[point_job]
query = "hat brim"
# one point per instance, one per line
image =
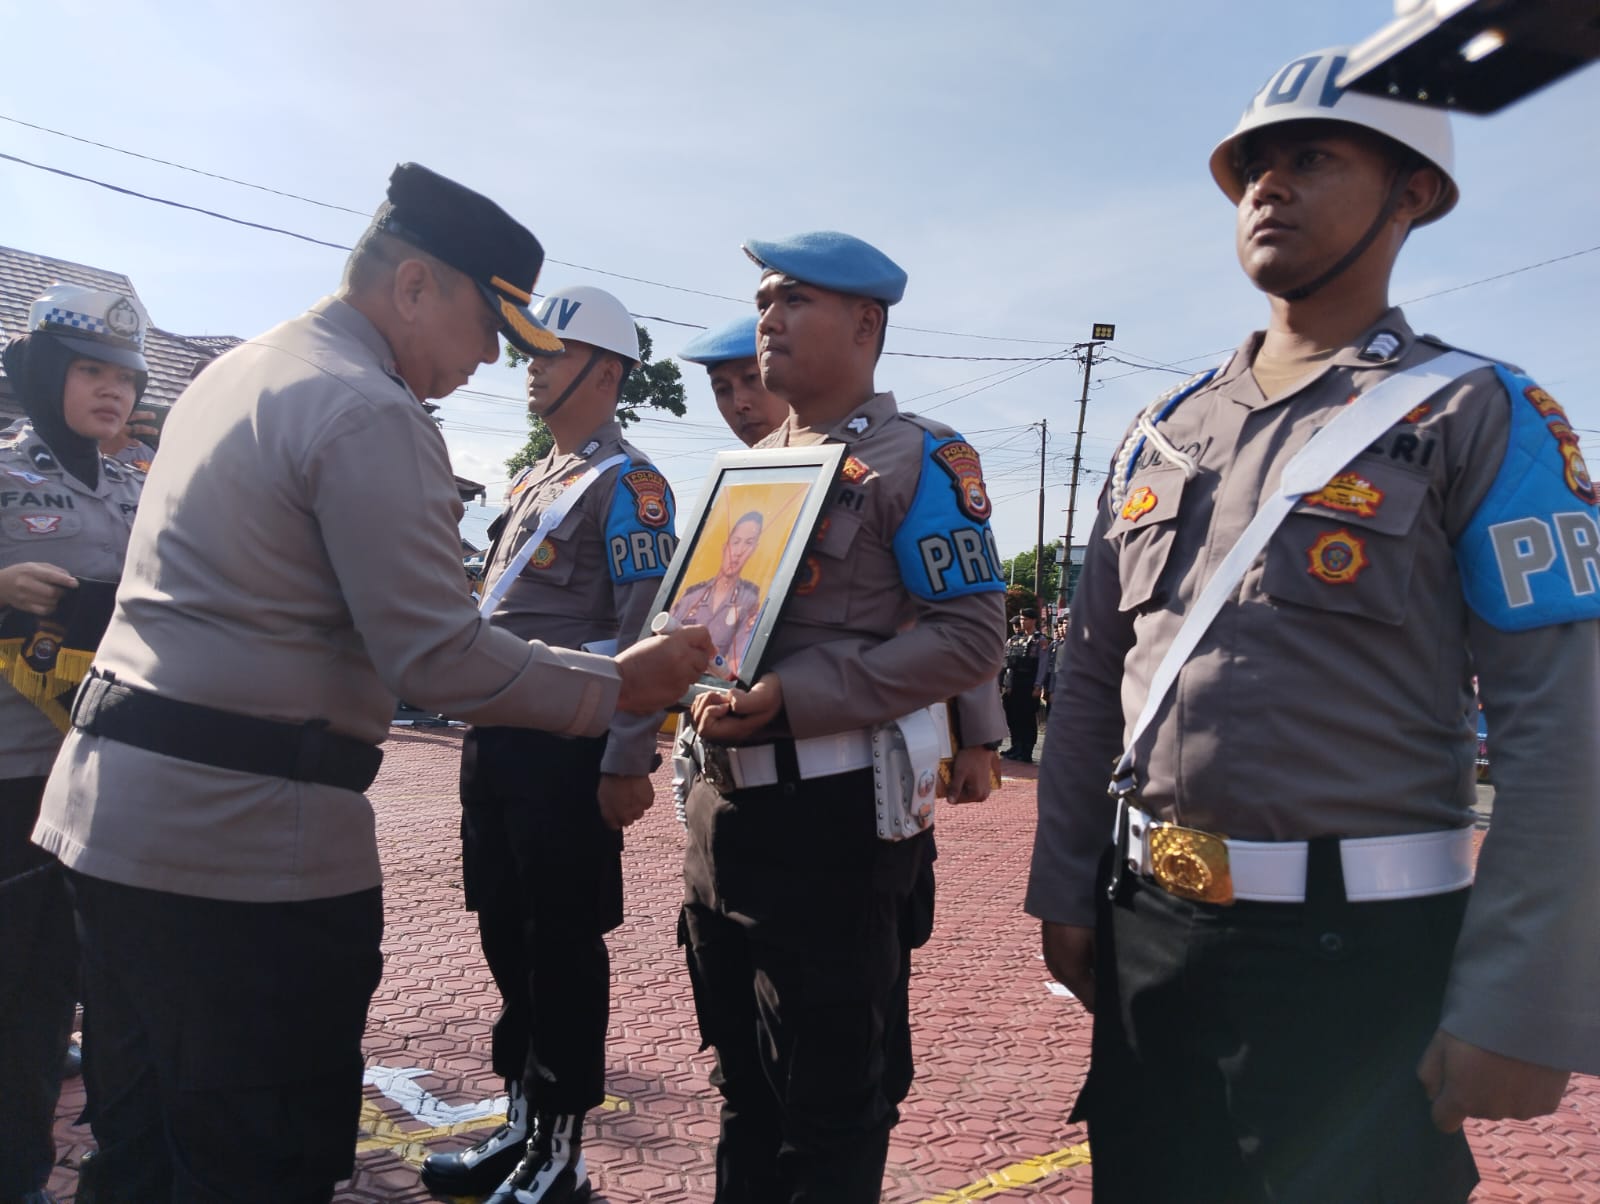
(123, 357)
(517, 323)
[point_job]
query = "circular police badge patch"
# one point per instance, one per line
(1337, 558)
(123, 318)
(543, 556)
(809, 575)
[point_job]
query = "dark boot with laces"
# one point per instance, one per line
(479, 1169)
(553, 1170)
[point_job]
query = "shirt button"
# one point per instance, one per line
(1331, 944)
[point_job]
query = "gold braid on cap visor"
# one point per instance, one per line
(536, 338)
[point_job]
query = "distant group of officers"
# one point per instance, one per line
(1299, 561)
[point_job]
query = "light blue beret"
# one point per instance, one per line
(832, 260)
(735, 341)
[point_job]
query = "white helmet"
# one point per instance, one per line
(1305, 90)
(593, 316)
(98, 323)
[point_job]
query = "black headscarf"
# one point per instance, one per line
(37, 364)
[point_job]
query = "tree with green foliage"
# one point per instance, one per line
(658, 385)
(1049, 579)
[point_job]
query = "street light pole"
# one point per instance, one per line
(1038, 546)
(1103, 332)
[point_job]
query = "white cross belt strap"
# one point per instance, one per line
(1353, 428)
(1375, 868)
(548, 522)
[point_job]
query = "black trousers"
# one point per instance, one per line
(1268, 1052)
(794, 926)
(544, 874)
(1022, 718)
(222, 1047)
(38, 990)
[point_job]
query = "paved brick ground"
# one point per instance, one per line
(1000, 1055)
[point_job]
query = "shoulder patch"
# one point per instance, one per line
(944, 546)
(853, 470)
(961, 462)
(1530, 557)
(649, 489)
(639, 526)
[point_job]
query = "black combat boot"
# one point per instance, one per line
(481, 1168)
(553, 1171)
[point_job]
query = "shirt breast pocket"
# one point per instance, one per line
(824, 583)
(553, 560)
(40, 526)
(1143, 533)
(1348, 547)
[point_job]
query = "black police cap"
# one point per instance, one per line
(475, 236)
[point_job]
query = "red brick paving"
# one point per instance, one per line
(1000, 1057)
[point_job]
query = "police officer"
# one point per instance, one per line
(295, 566)
(979, 724)
(65, 513)
(728, 354)
(1296, 996)
(794, 897)
(542, 814)
(1022, 684)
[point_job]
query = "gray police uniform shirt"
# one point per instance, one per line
(905, 539)
(729, 620)
(49, 516)
(296, 557)
(593, 577)
(1333, 693)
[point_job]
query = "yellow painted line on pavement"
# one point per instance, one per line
(380, 1132)
(1018, 1174)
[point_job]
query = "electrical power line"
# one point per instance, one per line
(294, 196)
(143, 196)
(1035, 362)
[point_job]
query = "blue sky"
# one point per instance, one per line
(1035, 167)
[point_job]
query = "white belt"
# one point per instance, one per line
(744, 767)
(1375, 867)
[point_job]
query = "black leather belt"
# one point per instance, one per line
(301, 752)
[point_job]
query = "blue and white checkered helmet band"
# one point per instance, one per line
(99, 316)
(99, 323)
(56, 316)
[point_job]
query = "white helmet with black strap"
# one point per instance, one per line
(1306, 89)
(585, 314)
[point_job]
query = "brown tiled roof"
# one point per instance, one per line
(172, 357)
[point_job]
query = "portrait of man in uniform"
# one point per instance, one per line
(728, 604)
(744, 550)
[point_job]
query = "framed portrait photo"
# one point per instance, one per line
(741, 549)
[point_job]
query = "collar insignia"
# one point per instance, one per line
(858, 425)
(589, 448)
(1381, 346)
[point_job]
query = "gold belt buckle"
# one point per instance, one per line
(1191, 864)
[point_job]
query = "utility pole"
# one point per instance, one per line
(1038, 547)
(1103, 333)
